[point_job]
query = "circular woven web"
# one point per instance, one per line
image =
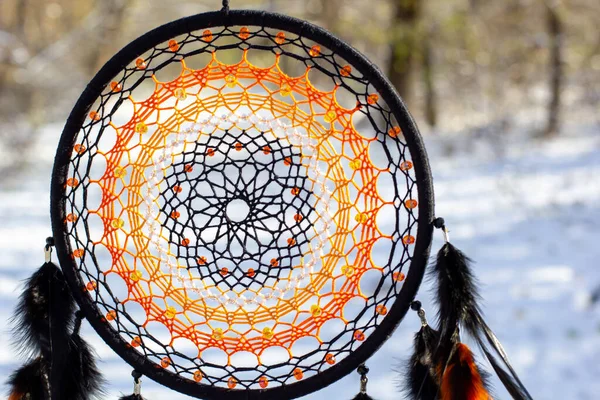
(239, 207)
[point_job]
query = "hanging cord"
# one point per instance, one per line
(48, 248)
(363, 370)
(49, 375)
(416, 306)
(439, 223)
(137, 382)
(225, 8)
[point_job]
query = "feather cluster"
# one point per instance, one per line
(443, 368)
(61, 364)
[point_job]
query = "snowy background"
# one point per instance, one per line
(526, 210)
(524, 206)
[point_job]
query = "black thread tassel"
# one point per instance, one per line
(42, 323)
(82, 380)
(44, 314)
(458, 297)
(132, 397)
(28, 382)
(422, 383)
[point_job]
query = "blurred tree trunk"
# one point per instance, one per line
(555, 33)
(404, 46)
(428, 71)
(113, 15)
(331, 9)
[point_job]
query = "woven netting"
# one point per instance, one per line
(241, 207)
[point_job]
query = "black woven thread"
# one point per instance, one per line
(369, 73)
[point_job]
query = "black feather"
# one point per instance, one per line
(44, 314)
(81, 380)
(132, 397)
(362, 396)
(28, 382)
(458, 297)
(422, 383)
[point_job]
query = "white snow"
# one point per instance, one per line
(529, 215)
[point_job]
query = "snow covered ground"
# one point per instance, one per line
(530, 218)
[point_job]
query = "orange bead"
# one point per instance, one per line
(315, 310)
(408, 239)
(330, 359)
(201, 260)
(78, 253)
(165, 362)
(291, 241)
(381, 309)
(136, 275)
(359, 335)
(177, 189)
(188, 168)
(217, 334)
(79, 148)
(117, 223)
(346, 71)
(395, 131)
(280, 38)
(298, 217)
(111, 315)
(185, 242)
(210, 152)
(175, 214)
(274, 262)
(315, 51)
(244, 33)
(140, 63)
(91, 285)
(398, 276)
(298, 374)
(295, 191)
(266, 150)
(239, 146)
(287, 161)
(230, 80)
(285, 90)
(115, 86)
(263, 381)
(348, 270)
(180, 94)
(198, 376)
(173, 45)
(141, 128)
(361, 218)
(136, 341)
(406, 165)
(224, 271)
(120, 172)
(251, 272)
(267, 333)
(170, 312)
(72, 182)
(94, 116)
(231, 382)
(330, 116)
(372, 99)
(410, 203)
(71, 217)
(207, 36)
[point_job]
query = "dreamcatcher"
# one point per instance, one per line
(242, 208)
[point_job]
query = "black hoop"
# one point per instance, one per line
(422, 241)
